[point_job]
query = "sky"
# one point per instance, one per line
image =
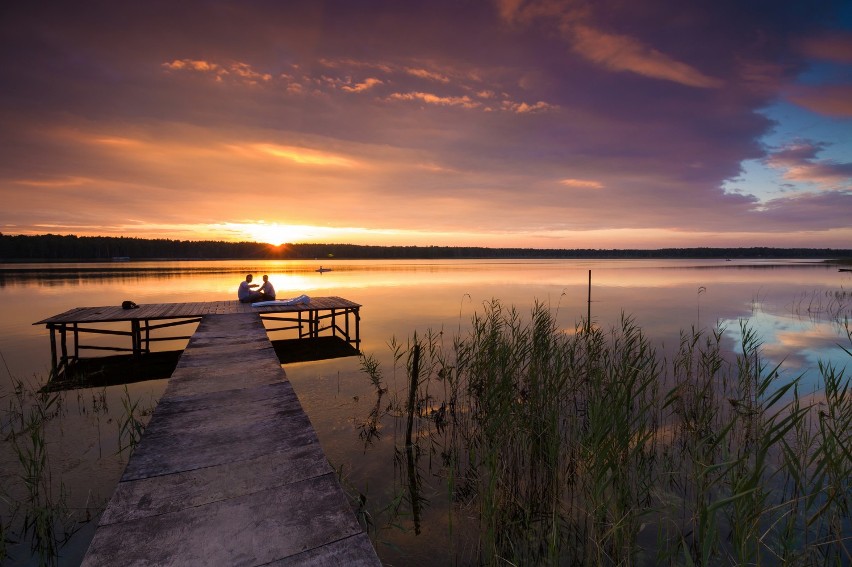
(506, 123)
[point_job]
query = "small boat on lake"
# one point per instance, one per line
(323, 270)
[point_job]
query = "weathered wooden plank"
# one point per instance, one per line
(170, 493)
(344, 552)
(187, 310)
(254, 529)
(205, 438)
(229, 470)
(201, 380)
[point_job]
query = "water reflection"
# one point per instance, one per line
(796, 308)
(797, 346)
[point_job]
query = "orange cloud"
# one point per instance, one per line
(466, 102)
(302, 156)
(426, 74)
(798, 162)
(242, 72)
(113, 141)
(582, 183)
(833, 100)
(60, 182)
(622, 53)
(524, 108)
(428, 98)
(364, 86)
(191, 64)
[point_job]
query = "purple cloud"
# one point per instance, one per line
(514, 117)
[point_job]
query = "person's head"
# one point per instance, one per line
(248, 278)
(265, 277)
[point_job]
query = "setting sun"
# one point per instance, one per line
(273, 233)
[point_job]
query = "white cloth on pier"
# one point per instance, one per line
(291, 301)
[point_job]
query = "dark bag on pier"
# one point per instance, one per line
(128, 305)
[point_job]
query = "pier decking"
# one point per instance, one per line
(229, 470)
(319, 315)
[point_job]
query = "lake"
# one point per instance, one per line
(797, 308)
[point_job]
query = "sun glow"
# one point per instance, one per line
(271, 233)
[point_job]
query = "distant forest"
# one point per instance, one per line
(52, 247)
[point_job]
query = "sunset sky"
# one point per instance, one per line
(543, 123)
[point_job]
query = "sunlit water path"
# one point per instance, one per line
(798, 309)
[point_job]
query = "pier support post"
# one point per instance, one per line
(136, 337)
(357, 329)
(63, 331)
(54, 366)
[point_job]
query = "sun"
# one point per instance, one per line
(274, 233)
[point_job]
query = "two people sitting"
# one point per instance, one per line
(246, 294)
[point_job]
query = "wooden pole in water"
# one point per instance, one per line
(589, 306)
(412, 391)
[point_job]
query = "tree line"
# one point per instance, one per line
(54, 247)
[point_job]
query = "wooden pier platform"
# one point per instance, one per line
(329, 315)
(229, 470)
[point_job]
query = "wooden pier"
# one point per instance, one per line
(229, 470)
(320, 315)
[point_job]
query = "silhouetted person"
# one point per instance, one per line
(245, 293)
(267, 292)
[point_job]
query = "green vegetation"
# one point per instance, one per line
(53, 247)
(588, 447)
(36, 507)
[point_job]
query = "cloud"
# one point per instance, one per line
(366, 85)
(582, 183)
(56, 182)
(193, 65)
(524, 108)
(453, 117)
(809, 211)
(798, 162)
(613, 51)
(622, 53)
(429, 98)
(238, 71)
(427, 74)
(245, 72)
(830, 100)
(348, 62)
(523, 11)
(836, 47)
(302, 156)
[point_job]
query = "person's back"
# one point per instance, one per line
(266, 290)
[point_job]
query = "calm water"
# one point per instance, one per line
(796, 307)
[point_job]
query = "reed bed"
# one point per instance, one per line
(38, 512)
(586, 446)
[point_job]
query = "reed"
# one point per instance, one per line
(35, 506)
(39, 511)
(131, 422)
(586, 446)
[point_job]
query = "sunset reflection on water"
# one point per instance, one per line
(400, 298)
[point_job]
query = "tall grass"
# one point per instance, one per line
(38, 511)
(587, 446)
(35, 508)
